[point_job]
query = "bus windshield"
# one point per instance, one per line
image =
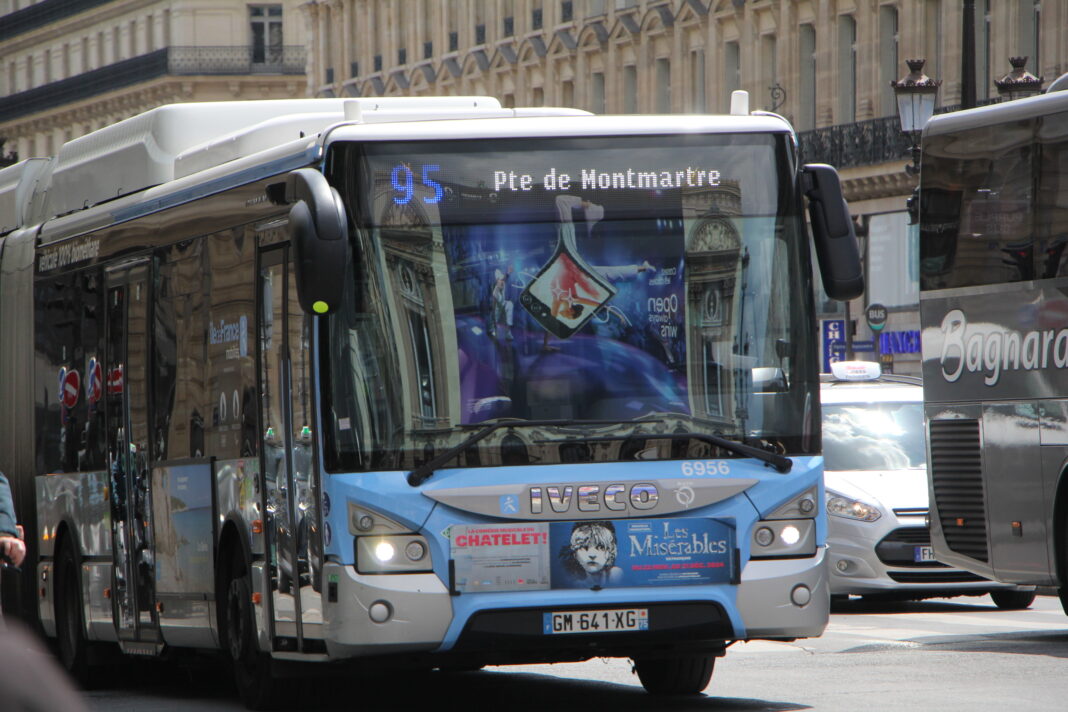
(618, 287)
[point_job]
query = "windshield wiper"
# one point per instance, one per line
(422, 473)
(780, 462)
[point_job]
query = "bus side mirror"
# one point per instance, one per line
(832, 233)
(318, 232)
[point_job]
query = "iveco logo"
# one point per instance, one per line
(593, 498)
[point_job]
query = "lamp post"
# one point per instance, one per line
(1019, 83)
(916, 94)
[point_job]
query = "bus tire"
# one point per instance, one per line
(252, 668)
(71, 643)
(1013, 600)
(684, 675)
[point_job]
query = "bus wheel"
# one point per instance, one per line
(1013, 600)
(685, 675)
(252, 669)
(70, 631)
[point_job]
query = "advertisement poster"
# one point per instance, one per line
(643, 552)
(500, 557)
(566, 305)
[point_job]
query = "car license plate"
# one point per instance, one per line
(923, 553)
(609, 621)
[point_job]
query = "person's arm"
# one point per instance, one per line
(11, 544)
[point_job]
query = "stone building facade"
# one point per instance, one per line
(68, 67)
(824, 64)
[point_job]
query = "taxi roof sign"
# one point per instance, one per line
(856, 370)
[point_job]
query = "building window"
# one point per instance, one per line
(806, 106)
(769, 67)
(567, 93)
(888, 59)
(983, 80)
(507, 11)
(697, 76)
(265, 28)
(630, 89)
(402, 56)
(847, 69)
(452, 25)
(536, 18)
(597, 92)
(893, 261)
(732, 70)
(428, 50)
(480, 34)
(932, 40)
(378, 63)
(424, 364)
(566, 11)
(1030, 16)
(663, 85)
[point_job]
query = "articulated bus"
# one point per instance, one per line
(425, 383)
(993, 213)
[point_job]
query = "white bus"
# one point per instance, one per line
(993, 209)
(418, 382)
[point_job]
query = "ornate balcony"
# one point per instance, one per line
(863, 143)
(171, 61)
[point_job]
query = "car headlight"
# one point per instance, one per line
(839, 505)
(405, 553)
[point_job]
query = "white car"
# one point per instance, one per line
(875, 476)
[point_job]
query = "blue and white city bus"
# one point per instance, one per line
(419, 382)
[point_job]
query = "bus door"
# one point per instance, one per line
(291, 487)
(126, 399)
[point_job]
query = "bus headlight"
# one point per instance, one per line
(783, 538)
(839, 505)
(405, 553)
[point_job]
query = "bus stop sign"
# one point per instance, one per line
(876, 314)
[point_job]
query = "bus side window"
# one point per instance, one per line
(180, 360)
(1051, 221)
(231, 345)
(991, 239)
(68, 333)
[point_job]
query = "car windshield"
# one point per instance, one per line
(873, 436)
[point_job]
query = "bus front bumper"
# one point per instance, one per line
(384, 613)
(782, 599)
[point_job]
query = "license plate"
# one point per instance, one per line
(609, 621)
(923, 553)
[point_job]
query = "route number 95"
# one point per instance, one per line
(705, 468)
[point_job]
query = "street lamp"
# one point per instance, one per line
(915, 105)
(1019, 83)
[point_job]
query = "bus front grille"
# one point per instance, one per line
(957, 480)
